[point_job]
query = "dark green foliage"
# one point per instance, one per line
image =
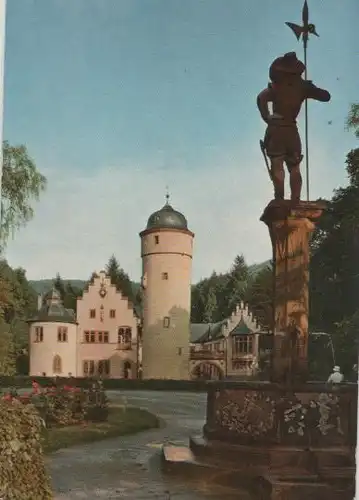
(334, 284)
(22, 467)
(353, 119)
(119, 278)
(17, 302)
(43, 286)
(216, 297)
(22, 183)
(259, 295)
(69, 293)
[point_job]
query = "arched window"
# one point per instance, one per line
(57, 364)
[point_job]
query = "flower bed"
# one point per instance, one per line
(63, 405)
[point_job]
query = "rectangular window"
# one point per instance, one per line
(100, 337)
(100, 367)
(92, 313)
(157, 240)
(243, 344)
(93, 337)
(112, 313)
(165, 276)
(62, 334)
(105, 337)
(91, 367)
(103, 367)
(166, 322)
(39, 334)
(180, 351)
(87, 336)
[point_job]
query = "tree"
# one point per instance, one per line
(237, 284)
(17, 303)
(210, 306)
(119, 278)
(71, 294)
(352, 121)
(259, 295)
(59, 285)
(22, 184)
(335, 247)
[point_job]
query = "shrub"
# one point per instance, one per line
(62, 405)
(22, 468)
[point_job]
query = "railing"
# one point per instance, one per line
(206, 354)
(124, 346)
(242, 356)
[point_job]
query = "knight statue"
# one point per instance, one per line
(287, 91)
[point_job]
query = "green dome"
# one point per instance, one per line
(167, 217)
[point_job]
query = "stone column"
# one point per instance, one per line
(290, 227)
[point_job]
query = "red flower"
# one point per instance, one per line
(35, 387)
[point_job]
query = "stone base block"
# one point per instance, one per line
(270, 487)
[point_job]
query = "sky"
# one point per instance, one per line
(117, 99)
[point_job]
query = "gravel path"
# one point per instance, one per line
(129, 466)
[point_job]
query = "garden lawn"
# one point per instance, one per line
(121, 421)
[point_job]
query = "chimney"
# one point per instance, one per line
(39, 302)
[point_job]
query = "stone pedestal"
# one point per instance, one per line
(290, 227)
(276, 441)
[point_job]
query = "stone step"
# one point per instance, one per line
(271, 487)
(182, 460)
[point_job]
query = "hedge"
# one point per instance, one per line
(110, 384)
(22, 469)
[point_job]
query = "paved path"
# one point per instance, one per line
(129, 467)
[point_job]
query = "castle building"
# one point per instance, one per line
(107, 332)
(166, 251)
(102, 340)
(227, 349)
(53, 338)
(108, 338)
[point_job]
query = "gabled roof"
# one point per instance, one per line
(206, 332)
(241, 328)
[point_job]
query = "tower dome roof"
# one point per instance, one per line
(167, 217)
(53, 310)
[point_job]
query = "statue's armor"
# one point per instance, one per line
(282, 143)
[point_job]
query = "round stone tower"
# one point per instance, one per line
(166, 251)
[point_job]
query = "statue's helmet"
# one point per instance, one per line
(288, 64)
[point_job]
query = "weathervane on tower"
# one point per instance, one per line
(167, 196)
